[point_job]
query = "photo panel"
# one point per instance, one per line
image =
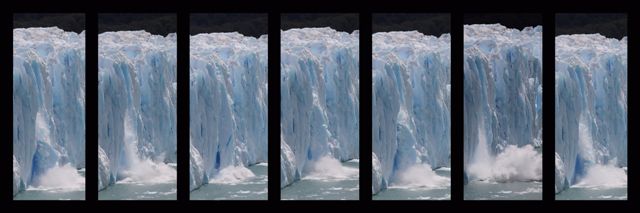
(411, 113)
(228, 106)
(418, 154)
(502, 107)
(591, 107)
(137, 101)
(49, 106)
(319, 122)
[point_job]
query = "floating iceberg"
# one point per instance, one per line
(502, 103)
(48, 106)
(319, 99)
(411, 116)
(228, 105)
(591, 109)
(137, 105)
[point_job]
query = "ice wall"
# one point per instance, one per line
(228, 103)
(136, 103)
(319, 98)
(48, 103)
(411, 103)
(591, 105)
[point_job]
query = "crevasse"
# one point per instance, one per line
(591, 105)
(48, 103)
(136, 104)
(319, 98)
(411, 103)
(228, 103)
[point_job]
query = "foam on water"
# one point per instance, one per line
(146, 171)
(420, 176)
(603, 176)
(60, 179)
(232, 175)
(328, 168)
(513, 164)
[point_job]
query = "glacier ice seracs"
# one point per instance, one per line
(411, 107)
(591, 109)
(502, 103)
(137, 107)
(48, 106)
(228, 104)
(319, 99)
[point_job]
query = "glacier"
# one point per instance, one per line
(411, 117)
(502, 103)
(228, 105)
(319, 99)
(591, 110)
(137, 105)
(48, 108)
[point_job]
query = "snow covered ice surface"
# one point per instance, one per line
(591, 117)
(319, 106)
(137, 119)
(48, 113)
(228, 109)
(502, 110)
(411, 112)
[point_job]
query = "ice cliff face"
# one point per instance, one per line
(411, 103)
(591, 105)
(48, 103)
(228, 103)
(502, 103)
(136, 101)
(319, 98)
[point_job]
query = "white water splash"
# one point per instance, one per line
(603, 177)
(60, 179)
(512, 164)
(420, 176)
(328, 168)
(232, 175)
(143, 170)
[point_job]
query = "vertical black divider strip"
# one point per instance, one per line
(183, 106)
(91, 106)
(632, 68)
(457, 77)
(548, 106)
(7, 64)
(273, 91)
(365, 51)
